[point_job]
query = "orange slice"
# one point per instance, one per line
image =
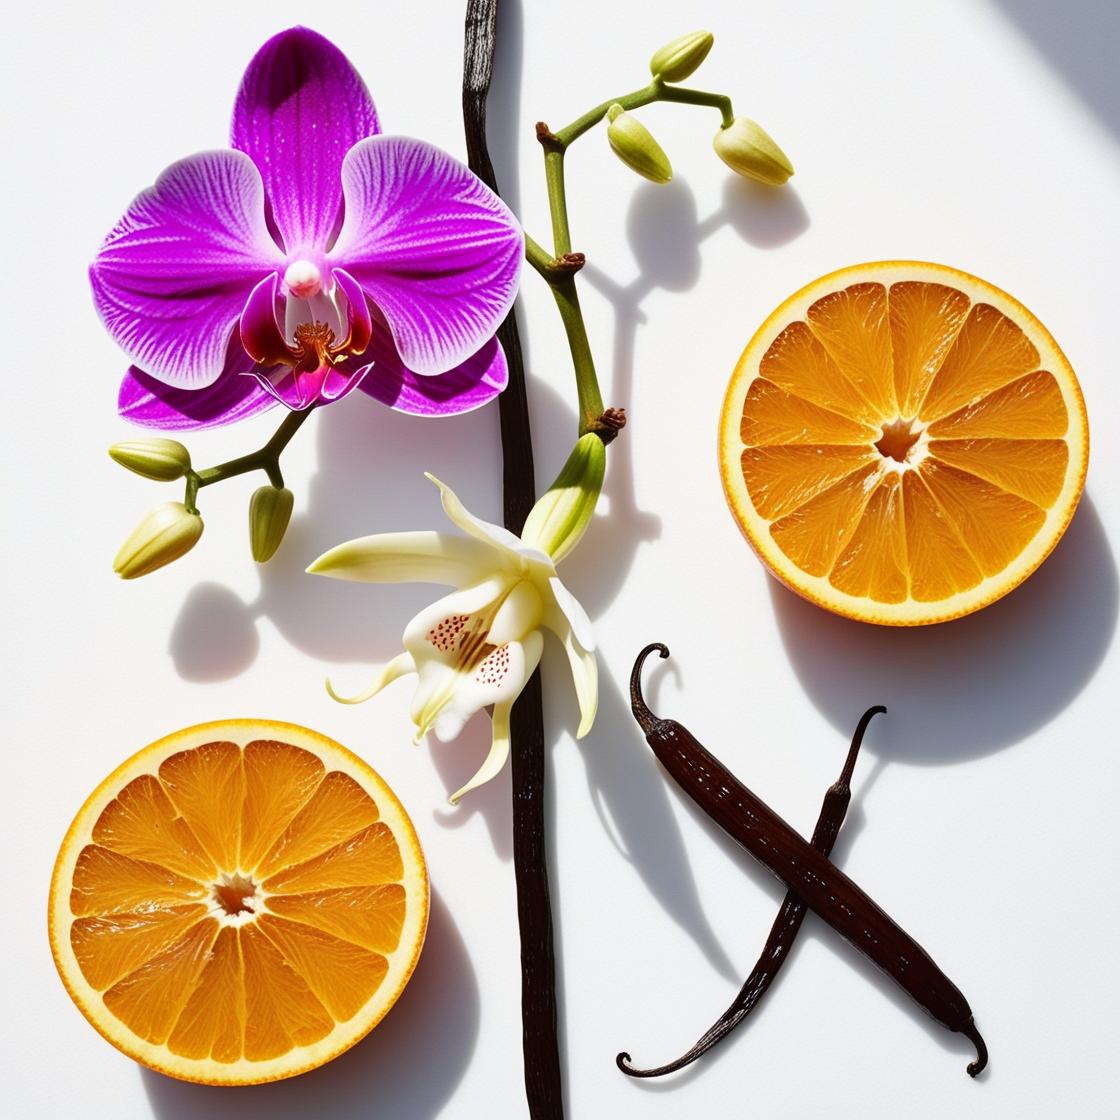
(239, 902)
(903, 443)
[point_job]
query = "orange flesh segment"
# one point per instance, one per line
(924, 321)
(995, 524)
(873, 564)
(279, 780)
(989, 352)
(142, 823)
(852, 325)
(207, 786)
(106, 882)
(146, 947)
(212, 1024)
(780, 479)
(368, 916)
(776, 416)
(343, 976)
(338, 809)
(813, 535)
(365, 859)
(111, 947)
(940, 563)
(798, 363)
(281, 1011)
(1029, 408)
(150, 999)
(1034, 469)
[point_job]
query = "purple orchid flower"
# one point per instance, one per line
(316, 256)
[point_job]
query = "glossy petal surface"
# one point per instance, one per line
(437, 251)
(300, 109)
(172, 277)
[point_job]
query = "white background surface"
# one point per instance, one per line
(982, 134)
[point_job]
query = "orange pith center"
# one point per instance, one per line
(902, 442)
(252, 962)
(898, 440)
(236, 894)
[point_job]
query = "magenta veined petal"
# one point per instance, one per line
(171, 278)
(359, 321)
(300, 108)
(436, 250)
(463, 388)
(151, 404)
(260, 327)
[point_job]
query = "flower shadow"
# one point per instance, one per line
(412, 1061)
(967, 688)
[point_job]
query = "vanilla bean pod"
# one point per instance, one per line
(783, 933)
(540, 1044)
(824, 887)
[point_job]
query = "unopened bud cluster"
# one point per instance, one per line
(744, 145)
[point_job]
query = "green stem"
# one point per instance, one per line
(587, 383)
(559, 269)
(266, 458)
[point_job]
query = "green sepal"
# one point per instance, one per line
(558, 520)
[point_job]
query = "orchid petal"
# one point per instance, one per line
(151, 404)
(359, 322)
(463, 388)
(496, 759)
(421, 557)
(436, 250)
(574, 614)
(259, 327)
(170, 280)
(507, 542)
(434, 634)
(399, 666)
(585, 677)
(519, 612)
(301, 389)
(300, 109)
(447, 696)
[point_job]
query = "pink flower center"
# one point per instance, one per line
(303, 280)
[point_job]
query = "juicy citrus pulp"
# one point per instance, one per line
(238, 902)
(903, 443)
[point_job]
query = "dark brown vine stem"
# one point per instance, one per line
(783, 933)
(540, 1046)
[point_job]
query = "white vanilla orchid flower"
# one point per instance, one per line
(479, 645)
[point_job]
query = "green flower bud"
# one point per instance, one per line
(749, 151)
(558, 520)
(676, 60)
(166, 533)
(270, 510)
(162, 459)
(633, 144)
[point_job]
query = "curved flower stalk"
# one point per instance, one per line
(316, 254)
(479, 645)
